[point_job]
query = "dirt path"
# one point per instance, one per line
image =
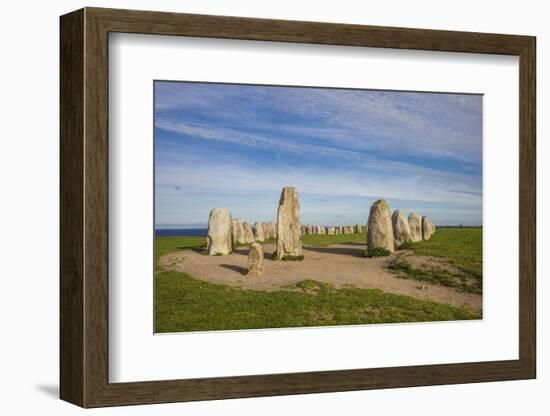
(339, 264)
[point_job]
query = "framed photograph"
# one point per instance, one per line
(254, 207)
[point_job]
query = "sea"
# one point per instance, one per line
(181, 232)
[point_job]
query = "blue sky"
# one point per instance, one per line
(236, 146)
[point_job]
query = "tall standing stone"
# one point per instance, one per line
(236, 228)
(259, 232)
(401, 229)
(380, 232)
(248, 234)
(265, 229)
(255, 262)
(289, 236)
(219, 240)
(415, 226)
(427, 228)
(272, 233)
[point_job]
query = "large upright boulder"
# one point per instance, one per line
(427, 228)
(266, 230)
(247, 233)
(255, 261)
(259, 232)
(219, 240)
(289, 235)
(401, 229)
(415, 226)
(380, 232)
(236, 228)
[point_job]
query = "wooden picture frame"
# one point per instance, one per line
(84, 207)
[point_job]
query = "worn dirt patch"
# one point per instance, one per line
(340, 264)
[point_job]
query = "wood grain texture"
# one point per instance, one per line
(71, 208)
(84, 207)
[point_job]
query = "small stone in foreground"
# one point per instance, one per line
(255, 262)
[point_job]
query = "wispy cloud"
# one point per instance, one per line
(217, 141)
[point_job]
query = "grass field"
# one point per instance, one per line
(460, 247)
(323, 240)
(184, 303)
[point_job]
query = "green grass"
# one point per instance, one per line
(270, 241)
(462, 247)
(183, 303)
(377, 252)
(187, 304)
(165, 245)
(324, 240)
(287, 258)
(443, 277)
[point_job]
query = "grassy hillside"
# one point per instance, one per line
(184, 303)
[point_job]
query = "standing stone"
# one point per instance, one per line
(248, 234)
(271, 230)
(309, 230)
(289, 238)
(255, 262)
(259, 232)
(265, 229)
(240, 232)
(235, 229)
(427, 228)
(330, 230)
(415, 226)
(303, 230)
(380, 232)
(219, 240)
(401, 229)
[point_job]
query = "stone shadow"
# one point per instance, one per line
(238, 269)
(344, 251)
